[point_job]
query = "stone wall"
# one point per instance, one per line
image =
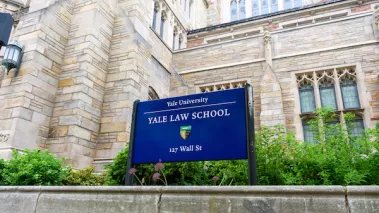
(268, 199)
(85, 63)
(270, 59)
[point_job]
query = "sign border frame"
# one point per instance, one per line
(250, 139)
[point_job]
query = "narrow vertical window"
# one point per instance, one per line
(242, 9)
(328, 94)
(190, 8)
(264, 7)
(287, 4)
(185, 5)
(233, 11)
(307, 99)
(255, 8)
(163, 20)
(180, 41)
(309, 132)
(298, 3)
(349, 94)
(174, 39)
(273, 6)
(156, 8)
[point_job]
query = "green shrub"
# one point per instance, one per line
(84, 177)
(337, 158)
(33, 168)
(2, 166)
(116, 170)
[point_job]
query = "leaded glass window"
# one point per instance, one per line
(307, 99)
(242, 9)
(264, 7)
(233, 11)
(274, 6)
(298, 3)
(287, 4)
(332, 128)
(349, 94)
(328, 94)
(309, 132)
(356, 127)
(255, 8)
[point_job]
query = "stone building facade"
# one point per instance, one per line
(86, 61)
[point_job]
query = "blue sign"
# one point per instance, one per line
(202, 127)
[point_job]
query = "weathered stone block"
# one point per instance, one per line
(79, 132)
(113, 127)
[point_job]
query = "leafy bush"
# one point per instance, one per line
(33, 168)
(116, 170)
(2, 166)
(84, 177)
(336, 159)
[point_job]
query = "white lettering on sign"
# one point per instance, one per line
(185, 116)
(189, 148)
(187, 101)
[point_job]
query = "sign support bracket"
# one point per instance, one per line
(129, 177)
(252, 159)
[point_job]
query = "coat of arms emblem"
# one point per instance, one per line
(185, 131)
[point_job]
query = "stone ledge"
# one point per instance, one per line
(177, 199)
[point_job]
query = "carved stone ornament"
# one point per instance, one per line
(3, 138)
(266, 35)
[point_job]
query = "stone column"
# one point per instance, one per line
(376, 22)
(26, 100)
(271, 93)
(79, 99)
(128, 78)
(214, 12)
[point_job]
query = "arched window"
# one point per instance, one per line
(349, 93)
(156, 9)
(327, 92)
(180, 41)
(233, 10)
(153, 95)
(242, 9)
(163, 21)
(174, 38)
(307, 98)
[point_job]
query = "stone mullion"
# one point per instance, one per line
(338, 90)
(316, 91)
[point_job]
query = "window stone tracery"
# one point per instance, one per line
(222, 86)
(336, 88)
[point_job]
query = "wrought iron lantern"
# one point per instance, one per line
(12, 57)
